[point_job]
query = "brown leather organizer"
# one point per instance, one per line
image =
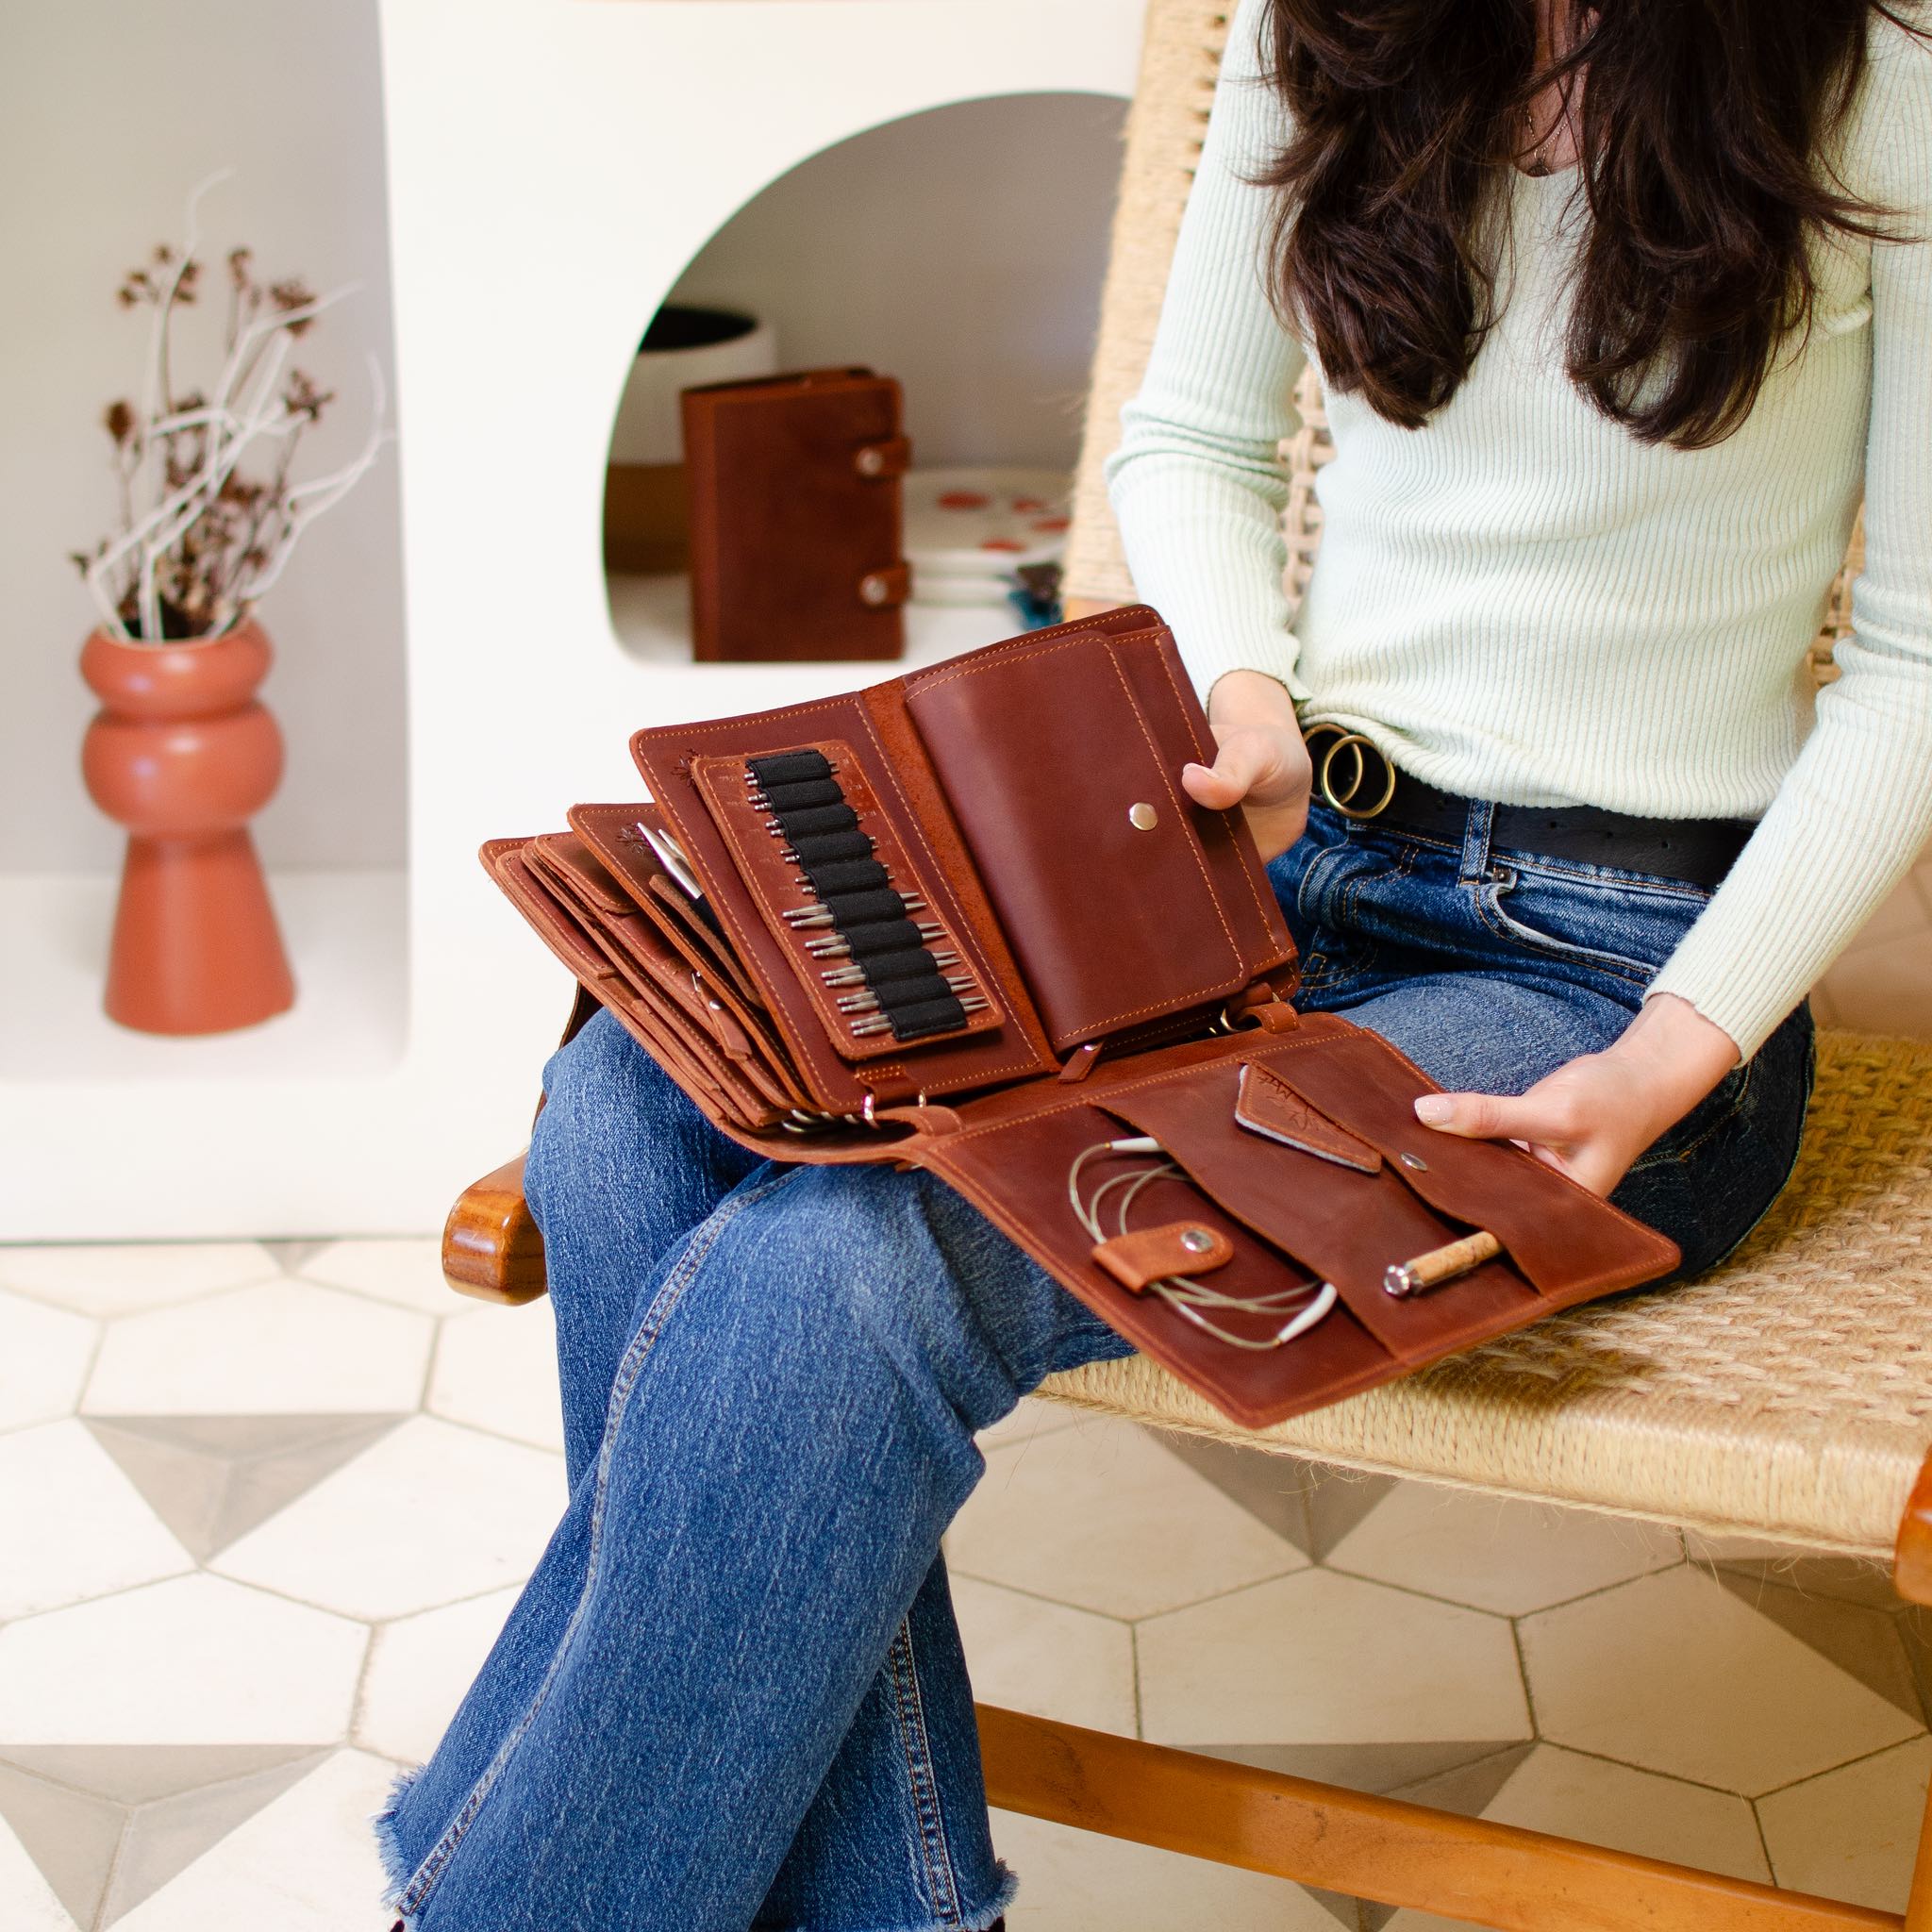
(793, 483)
(967, 921)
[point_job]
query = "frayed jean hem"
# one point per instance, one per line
(398, 1872)
(980, 1919)
(396, 1868)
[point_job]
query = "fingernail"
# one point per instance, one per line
(1193, 765)
(1432, 1109)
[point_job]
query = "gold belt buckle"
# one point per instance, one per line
(1357, 747)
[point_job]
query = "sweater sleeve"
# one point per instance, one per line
(1197, 482)
(1857, 806)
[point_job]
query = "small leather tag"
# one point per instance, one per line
(1267, 1106)
(892, 457)
(1079, 1063)
(1149, 1254)
(884, 588)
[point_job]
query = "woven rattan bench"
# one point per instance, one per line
(1786, 1396)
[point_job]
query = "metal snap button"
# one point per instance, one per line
(871, 461)
(1143, 818)
(872, 587)
(1197, 1240)
(1415, 1161)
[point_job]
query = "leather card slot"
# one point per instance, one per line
(676, 1031)
(691, 1059)
(815, 911)
(1347, 1226)
(1566, 1242)
(1015, 1172)
(1096, 867)
(615, 832)
(655, 969)
(900, 776)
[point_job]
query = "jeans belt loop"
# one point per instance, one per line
(1475, 839)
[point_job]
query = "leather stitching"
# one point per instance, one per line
(1228, 817)
(1214, 986)
(801, 1045)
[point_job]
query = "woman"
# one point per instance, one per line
(1603, 304)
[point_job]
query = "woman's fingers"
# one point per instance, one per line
(1222, 785)
(1498, 1117)
(1555, 1121)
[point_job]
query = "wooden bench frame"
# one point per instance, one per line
(1347, 1841)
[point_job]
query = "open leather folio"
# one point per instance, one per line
(967, 921)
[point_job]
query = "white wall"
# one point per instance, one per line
(110, 111)
(960, 250)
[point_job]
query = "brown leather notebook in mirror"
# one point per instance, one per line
(966, 920)
(794, 484)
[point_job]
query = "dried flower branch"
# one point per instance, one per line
(199, 538)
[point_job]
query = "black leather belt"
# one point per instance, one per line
(1356, 780)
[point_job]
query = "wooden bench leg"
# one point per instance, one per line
(1377, 1848)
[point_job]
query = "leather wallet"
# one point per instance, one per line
(793, 484)
(967, 921)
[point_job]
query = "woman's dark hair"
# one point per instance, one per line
(1704, 128)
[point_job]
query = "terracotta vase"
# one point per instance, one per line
(183, 754)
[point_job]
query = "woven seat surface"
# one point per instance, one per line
(1789, 1394)
(1785, 1394)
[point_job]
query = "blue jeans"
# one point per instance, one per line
(732, 1695)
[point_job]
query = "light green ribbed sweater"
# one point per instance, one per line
(1521, 601)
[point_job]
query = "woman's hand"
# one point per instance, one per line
(1261, 763)
(1592, 1117)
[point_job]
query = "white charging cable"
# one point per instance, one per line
(1183, 1293)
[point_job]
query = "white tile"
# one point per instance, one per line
(1102, 1517)
(71, 1525)
(25, 1898)
(496, 1369)
(431, 1513)
(1852, 1833)
(1033, 1416)
(193, 1660)
(1568, 1796)
(419, 1670)
(1320, 1659)
(123, 1277)
(1074, 1881)
(1046, 1660)
(43, 1358)
(1885, 987)
(304, 1863)
(282, 1348)
(409, 1273)
(1674, 1674)
(1497, 1555)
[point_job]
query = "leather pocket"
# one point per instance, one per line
(1343, 1224)
(1566, 1242)
(1112, 887)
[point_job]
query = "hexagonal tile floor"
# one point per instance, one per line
(266, 1506)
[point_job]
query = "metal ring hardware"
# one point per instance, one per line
(1353, 741)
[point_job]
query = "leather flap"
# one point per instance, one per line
(892, 457)
(881, 589)
(1153, 1254)
(1267, 1106)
